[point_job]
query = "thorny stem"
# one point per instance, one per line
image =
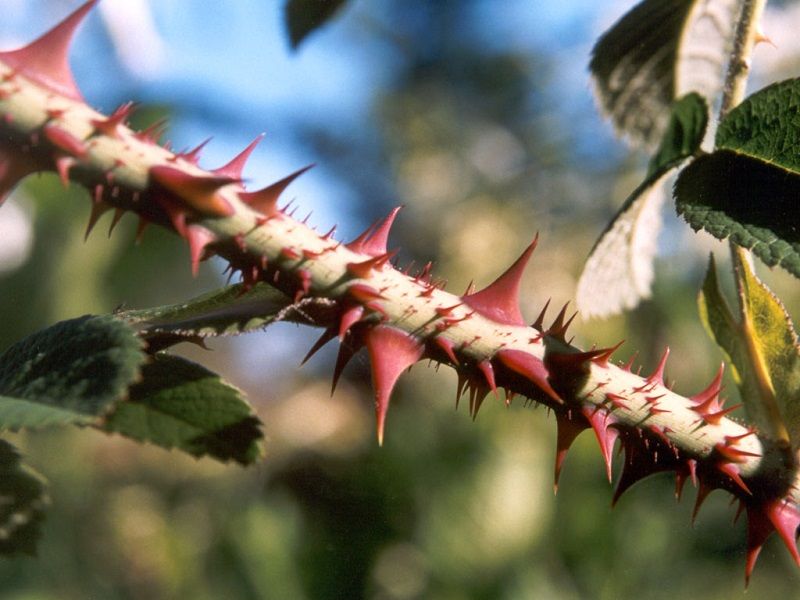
(42, 128)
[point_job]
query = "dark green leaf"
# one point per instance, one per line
(180, 404)
(684, 134)
(72, 372)
(304, 16)
(24, 498)
(754, 204)
(659, 51)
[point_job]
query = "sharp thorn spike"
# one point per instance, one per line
(500, 300)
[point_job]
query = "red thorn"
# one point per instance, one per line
(234, 168)
(153, 132)
(46, 59)
(304, 275)
(447, 347)
(198, 237)
(143, 223)
(198, 191)
(175, 213)
(732, 471)
(712, 391)
(531, 368)
(391, 351)
(605, 354)
(265, 200)
(732, 454)
(347, 349)
(110, 125)
(477, 393)
(639, 464)
(538, 324)
(98, 210)
(703, 491)
(485, 367)
(559, 327)
(348, 318)
(364, 268)
(762, 520)
(64, 140)
(193, 156)
(628, 365)
(603, 425)
(326, 337)
(658, 375)
(290, 253)
(115, 219)
(373, 241)
(691, 466)
(567, 429)
(364, 293)
(575, 360)
(63, 166)
(500, 300)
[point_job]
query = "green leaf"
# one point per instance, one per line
(24, 498)
(762, 347)
(659, 51)
(304, 16)
(747, 190)
(746, 200)
(619, 271)
(687, 126)
(72, 372)
(229, 311)
(180, 404)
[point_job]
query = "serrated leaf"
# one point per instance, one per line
(180, 404)
(763, 350)
(229, 311)
(305, 16)
(748, 201)
(23, 499)
(72, 372)
(619, 271)
(747, 190)
(659, 51)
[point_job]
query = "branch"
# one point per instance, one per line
(399, 318)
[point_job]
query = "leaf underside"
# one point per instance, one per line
(659, 51)
(229, 311)
(619, 271)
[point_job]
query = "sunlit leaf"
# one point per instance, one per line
(763, 350)
(180, 404)
(72, 372)
(659, 51)
(24, 499)
(619, 271)
(304, 16)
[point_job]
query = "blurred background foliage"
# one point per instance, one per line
(476, 116)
